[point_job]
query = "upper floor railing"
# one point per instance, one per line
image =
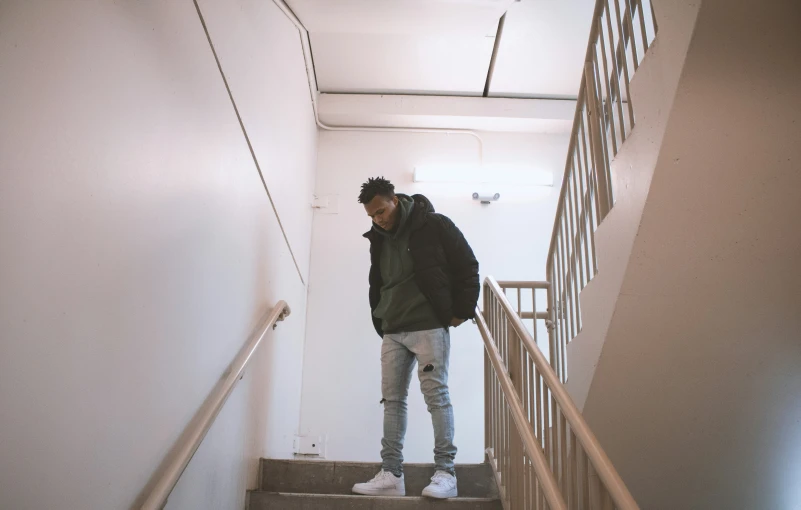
(621, 33)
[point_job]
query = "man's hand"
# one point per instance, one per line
(457, 322)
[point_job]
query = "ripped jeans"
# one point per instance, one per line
(431, 350)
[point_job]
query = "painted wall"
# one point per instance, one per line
(697, 395)
(139, 249)
(341, 384)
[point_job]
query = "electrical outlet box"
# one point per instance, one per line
(326, 204)
(310, 445)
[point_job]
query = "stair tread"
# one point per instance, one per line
(264, 500)
(334, 477)
(373, 465)
(362, 496)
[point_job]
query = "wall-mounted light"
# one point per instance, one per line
(510, 175)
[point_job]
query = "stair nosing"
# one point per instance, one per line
(362, 496)
(377, 463)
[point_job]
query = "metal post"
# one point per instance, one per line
(595, 121)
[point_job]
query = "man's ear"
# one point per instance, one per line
(395, 200)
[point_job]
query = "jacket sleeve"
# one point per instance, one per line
(464, 270)
(374, 280)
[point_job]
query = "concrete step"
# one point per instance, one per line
(323, 477)
(284, 501)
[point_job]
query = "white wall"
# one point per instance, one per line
(697, 394)
(341, 384)
(138, 248)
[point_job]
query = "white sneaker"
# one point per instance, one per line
(443, 486)
(384, 484)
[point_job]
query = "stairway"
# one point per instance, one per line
(313, 485)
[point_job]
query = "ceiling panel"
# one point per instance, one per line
(400, 16)
(542, 48)
(443, 47)
(449, 63)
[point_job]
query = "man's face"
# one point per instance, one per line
(383, 211)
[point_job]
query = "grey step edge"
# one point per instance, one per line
(330, 477)
(283, 501)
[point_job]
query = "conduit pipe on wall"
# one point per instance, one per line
(310, 74)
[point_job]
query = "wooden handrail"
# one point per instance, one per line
(606, 471)
(199, 427)
(509, 284)
(532, 445)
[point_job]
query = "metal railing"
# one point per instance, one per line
(190, 440)
(524, 296)
(536, 439)
(620, 35)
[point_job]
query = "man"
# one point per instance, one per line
(423, 280)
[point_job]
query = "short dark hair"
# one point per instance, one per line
(376, 186)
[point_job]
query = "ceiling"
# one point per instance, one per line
(444, 47)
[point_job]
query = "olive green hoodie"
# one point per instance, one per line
(402, 308)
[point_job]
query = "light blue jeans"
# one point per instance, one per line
(431, 350)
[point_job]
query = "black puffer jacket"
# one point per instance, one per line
(446, 270)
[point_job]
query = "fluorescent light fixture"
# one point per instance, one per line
(508, 175)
